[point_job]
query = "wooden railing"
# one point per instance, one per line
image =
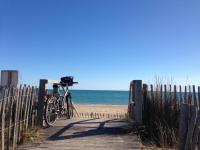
(17, 113)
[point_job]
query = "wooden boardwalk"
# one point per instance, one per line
(90, 134)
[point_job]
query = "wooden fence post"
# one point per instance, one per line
(138, 99)
(183, 126)
(41, 94)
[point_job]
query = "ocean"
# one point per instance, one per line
(101, 97)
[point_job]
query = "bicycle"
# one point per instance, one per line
(57, 104)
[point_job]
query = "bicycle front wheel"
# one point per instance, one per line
(51, 111)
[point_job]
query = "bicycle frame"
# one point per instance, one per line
(65, 97)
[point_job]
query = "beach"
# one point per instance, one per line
(101, 109)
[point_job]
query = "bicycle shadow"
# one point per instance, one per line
(100, 130)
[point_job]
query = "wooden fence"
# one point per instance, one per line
(99, 115)
(169, 112)
(17, 114)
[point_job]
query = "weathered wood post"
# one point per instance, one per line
(138, 100)
(41, 94)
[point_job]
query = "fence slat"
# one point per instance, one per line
(191, 127)
(4, 100)
(16, 118)
(165, 92)
(199, 95)
(175, 95)
(29, 107)
(180, 94)
(194, 97)
(190, 96)
(9, 113)
(161, 95)
(152, 93)
(27, 99)
(170, 94)
(33, 109)
(183, 125)
(196, 132)
(19, 114)
(185, 95)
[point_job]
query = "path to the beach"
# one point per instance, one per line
(86, 134)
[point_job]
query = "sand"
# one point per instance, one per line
(106, 109)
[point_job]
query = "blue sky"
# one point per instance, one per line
(104, 44)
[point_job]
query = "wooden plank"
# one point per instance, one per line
(138, 101)
(29, 107)
(152, 93)
(175, 96)
(161, 95)
(170, 94)
(185, 95)
(32, 109)
(11, 113)
(194, 97)
(21, 98)
(16, 118)
(191, 127)
(130, 94)
(5, 92)
(190, 96)
(41, 95)
(27, 100)
(180, 94)
(199, 95)
(21, 113)
(145, 91)
(129, 102)
(8, 118)
(165, 92)
(145, 103)
(156, 93)
(183, 126)
(3, 120)
(196, 133)
(132, 101)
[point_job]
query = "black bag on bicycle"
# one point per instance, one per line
(67, 80)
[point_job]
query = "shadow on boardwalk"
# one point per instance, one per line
(100, 130)
(90, 134)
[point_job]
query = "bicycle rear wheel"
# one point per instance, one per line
(51, 111)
